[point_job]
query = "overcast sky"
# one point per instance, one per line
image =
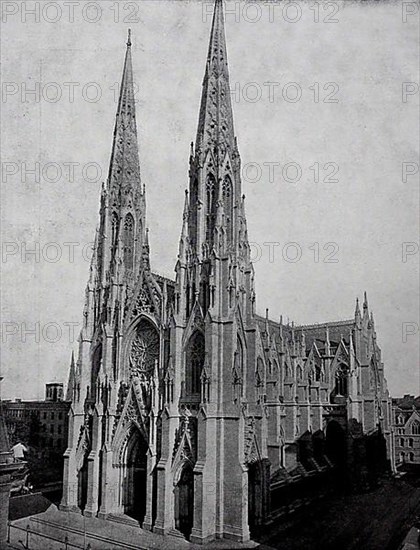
(334, 118)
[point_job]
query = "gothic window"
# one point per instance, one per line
(114, 229)
(114, 354)
(228, 206)
(259, 381)
(341, 381)
(194, 363)
(128, 241)
(411, 457)
(275, 369)
(415, 428)
(188, 300)
(238, 362)
(210, 205)
(96, 365)
(144, 352)
(193, 210)
(300, 373)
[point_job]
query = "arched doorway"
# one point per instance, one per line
(335, 444)
(184, 501)
(135, 485)
(255, 498)
(82, 478)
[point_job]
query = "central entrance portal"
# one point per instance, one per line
(136, 477)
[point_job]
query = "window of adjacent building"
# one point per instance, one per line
(60, 416)
(401, 456)
(59, 429)
(411, 457)
(402, 442)
(45, 415)
(411, 442)
(52, 416)
(52, 428)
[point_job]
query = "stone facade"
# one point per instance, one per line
(186, 405)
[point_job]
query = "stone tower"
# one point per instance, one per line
(212, 317)
(115, 384)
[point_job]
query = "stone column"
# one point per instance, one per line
(91, 508)
(109, 485)
(69, 501)
(148, 518)
(165, 518)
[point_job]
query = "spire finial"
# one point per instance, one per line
(129, 38)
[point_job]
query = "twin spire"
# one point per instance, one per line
(215, 125)
(124, 167)
(215, 128)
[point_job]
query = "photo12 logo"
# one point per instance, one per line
(273, 11)
(70, 12)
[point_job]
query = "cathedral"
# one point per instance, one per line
(190, 413)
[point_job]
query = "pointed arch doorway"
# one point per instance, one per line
(184, 501)
(254, 496)
(82, 484)
(135, 482)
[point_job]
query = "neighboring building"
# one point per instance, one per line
(188, 409)
(406, 431)
(42, 427)
(39, 423)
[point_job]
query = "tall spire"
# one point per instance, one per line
(124, 169)
(123, 202)
(215, 126)
(72, 379)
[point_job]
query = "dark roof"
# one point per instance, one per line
(27, 505)
(407, 402)
(313, 333)
(316, 333)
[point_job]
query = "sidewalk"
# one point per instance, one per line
(104, 535)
